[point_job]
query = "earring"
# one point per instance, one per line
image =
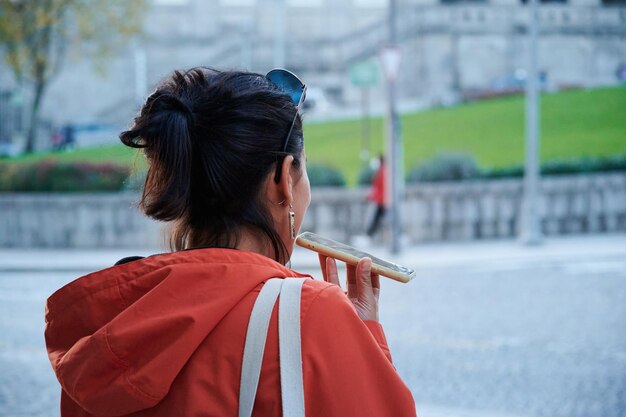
(292, 222)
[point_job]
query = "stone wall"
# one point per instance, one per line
(481, 209)
(75, 221)
(430, 212)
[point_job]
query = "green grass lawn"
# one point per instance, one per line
(573, 124)
(119, 154)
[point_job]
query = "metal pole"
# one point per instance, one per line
(365, 126)
(280, 22)
(395, 144)
(530, 228)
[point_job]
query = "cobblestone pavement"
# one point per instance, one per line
(480, 339)
(533, 341)
(28, 386)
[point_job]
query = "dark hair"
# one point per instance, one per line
(211, 139)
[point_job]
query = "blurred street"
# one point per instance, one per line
(487, 329)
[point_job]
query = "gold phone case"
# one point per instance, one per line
(350, 255)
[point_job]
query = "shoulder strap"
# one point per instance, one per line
(290, 347)
(255, 344)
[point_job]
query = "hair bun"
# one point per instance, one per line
(157, 104)
(133, 139)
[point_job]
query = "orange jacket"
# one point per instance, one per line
(164, 336)
(378, 192)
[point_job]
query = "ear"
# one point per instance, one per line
(281, 191)
(285, 183)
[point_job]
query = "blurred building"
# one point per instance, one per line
(451, 49)
(12, 127)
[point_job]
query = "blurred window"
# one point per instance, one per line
(18, 120)
(614, 2)
(171, 2)
(462, 1)
(305, 3)
(371, 3)
(238, 2)
(547, 1)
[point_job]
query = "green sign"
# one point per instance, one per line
(364, 74)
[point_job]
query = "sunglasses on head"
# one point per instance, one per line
(287, 82)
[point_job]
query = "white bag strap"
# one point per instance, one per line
(290, 348)
(255, 345)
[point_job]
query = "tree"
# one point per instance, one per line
(36, 35)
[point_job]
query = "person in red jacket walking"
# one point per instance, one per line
(164, 335)
(378, 195)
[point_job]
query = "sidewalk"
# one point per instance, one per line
(499, 254)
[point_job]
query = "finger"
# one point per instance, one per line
(322, 259)
(351, 281)
(376, 281)
(364, 275)
(376, 285)
(331, 270)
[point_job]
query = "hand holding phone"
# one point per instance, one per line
(363, 271)
(363, 285)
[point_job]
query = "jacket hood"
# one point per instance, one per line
(117, 338)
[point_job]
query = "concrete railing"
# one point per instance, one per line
(75, 221)
(430, 212)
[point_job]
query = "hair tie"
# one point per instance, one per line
(182, 107)
(156, 102)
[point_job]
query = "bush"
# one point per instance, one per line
(585, 164)
(613, 163)
(365, 176)
(4, 174)
(325, 176)
(135, 180)
(506, 172)
(563, 167)
(445, 167)
(53, 176)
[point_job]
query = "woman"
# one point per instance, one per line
(164, 335)
(378, 195)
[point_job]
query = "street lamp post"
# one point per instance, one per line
(530, 227)
(391, 63)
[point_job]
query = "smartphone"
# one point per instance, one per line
(350, 255)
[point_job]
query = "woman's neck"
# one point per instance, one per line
(252, 241)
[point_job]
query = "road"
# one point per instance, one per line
(484, 330)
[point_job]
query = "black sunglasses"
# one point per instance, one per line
(290, 84)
